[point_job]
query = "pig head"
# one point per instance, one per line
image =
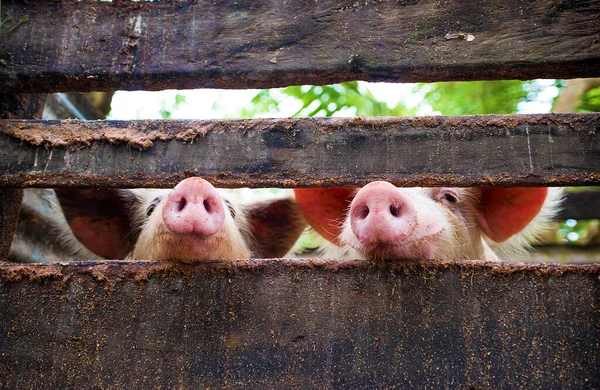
(192, 222)
(382, 221)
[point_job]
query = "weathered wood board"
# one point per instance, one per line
(25, 106)
(10, 206)
(490, 150)
(300, 324)
(68, 45)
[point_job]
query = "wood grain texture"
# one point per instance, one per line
(299, 324)
(10, 206)
(15, 106)
(494, 150)
(82, 46)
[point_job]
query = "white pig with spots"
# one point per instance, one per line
(191, 223)
(382, 221)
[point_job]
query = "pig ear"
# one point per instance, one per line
(325, 209)
(100, 219)
(504, 212)
(275, 225)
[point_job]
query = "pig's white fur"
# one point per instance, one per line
(253, 232)
(235, 239)
(462, 238)
(157, 242)
(521, 242)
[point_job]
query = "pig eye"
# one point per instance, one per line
(230, 207)
(152, 206)
(448, 196)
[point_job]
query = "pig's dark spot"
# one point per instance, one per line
(152, 206)
(182, 204)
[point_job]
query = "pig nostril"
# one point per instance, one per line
(363, 213)
(182, 204)
(207, 206)
(395, 211)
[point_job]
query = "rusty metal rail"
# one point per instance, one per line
(311, 324)
(491, 150)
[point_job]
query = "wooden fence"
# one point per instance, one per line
(266, 323)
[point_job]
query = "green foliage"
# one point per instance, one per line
(572, 231)
(479, 97)
(590, 101)
(166, 111)
(350, 98)
(578, 232)
(308, 242)
(355, 99)
(447, 98)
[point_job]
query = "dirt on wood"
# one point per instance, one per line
(110, 271)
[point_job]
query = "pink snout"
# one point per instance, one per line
(194, 206)
(380, 213)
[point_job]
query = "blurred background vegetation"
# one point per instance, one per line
(450, 98)
(375, 99)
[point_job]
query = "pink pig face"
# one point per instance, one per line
(388, 222)
(192, 222)
(384, 221)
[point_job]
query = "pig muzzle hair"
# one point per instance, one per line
(381, 221)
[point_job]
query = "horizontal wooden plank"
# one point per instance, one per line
(292, 324)
(495, 150)
(70, 45)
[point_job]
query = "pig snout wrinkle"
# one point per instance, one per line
(194, 206)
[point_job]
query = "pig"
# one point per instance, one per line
(42, 233)
(382, 221)
(191, 223)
